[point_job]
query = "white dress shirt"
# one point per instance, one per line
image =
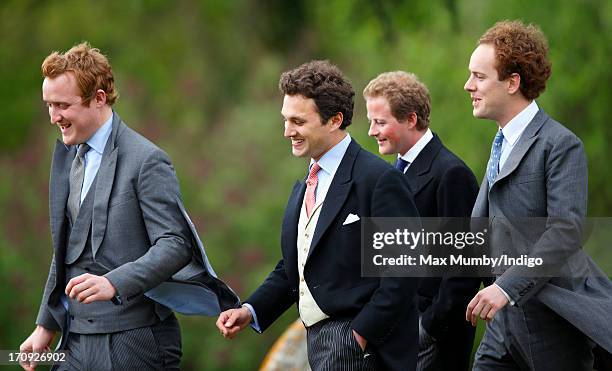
(414, 151)
(512, 132)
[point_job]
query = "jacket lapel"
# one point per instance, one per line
(59, 187)
(290, 222)
(104, 185)
(525, 142)
(418, 172)
(337, 193)
(481, 206)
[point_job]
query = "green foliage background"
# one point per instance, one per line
(200, 80)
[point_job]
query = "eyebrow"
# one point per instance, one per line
(294, 118)
(476, 72)
(54, 101)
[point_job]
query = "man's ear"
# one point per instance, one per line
(411, 120)
(100, 97)
(336, 121)
(514, 83)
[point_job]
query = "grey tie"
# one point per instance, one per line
(77, 173)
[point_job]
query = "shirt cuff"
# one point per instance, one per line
(512, 302)
(254, 323)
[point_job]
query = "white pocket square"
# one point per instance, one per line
(351, 218)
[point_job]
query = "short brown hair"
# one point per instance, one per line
(520, 49)
(323, 82)
(90, 67)
(405, 94)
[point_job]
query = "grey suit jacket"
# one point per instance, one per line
(140, 232)
(545, 176)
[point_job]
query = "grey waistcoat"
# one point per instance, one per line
(100, 316)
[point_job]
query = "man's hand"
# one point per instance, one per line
(232, 321)
(485, 304)
(360, 340)
(88, 288)
(39, 341)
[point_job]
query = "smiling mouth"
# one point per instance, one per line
(296, 142)
(64, 127)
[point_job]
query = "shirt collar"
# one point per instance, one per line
(330, 161)
(98, 141)
(414, 151)
(515, 127)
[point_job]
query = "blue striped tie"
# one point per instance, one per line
(493, 166)
(401, 164)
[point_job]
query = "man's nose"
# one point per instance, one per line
(372, 130)
(468, 86)
(289, 130)
(54, 115)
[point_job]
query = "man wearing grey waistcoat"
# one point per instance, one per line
(119, 230)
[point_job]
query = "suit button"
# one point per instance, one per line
(301, 293)
(306, 235)
(302, 279)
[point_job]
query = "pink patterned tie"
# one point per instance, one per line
(311, 185)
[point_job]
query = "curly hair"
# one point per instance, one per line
(90, 67)
(405, 94)
(323, 82)
(520, 49)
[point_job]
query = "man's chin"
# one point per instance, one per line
(298, 153)
(477, 113)
(383, 150)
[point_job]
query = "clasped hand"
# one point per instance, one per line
(88, 288)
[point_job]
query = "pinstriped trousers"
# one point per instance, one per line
(332, 347)
(429, 355)
(156, 347)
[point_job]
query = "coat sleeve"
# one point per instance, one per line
(273, 297)
(157, 189)
(565, 178)
(44, 318)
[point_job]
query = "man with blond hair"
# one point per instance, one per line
(398, 106)
(535, 195)
(119, 231)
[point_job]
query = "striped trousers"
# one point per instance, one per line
(333, 347)
(156, 347)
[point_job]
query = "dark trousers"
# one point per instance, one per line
(533, 337)
(156, 347)
(333, 347)
(453, 352)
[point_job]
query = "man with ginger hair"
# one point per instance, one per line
(443, 186)
(119, 232)
(543, 319)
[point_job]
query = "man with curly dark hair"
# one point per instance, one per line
(537, 173)
(352, 322)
